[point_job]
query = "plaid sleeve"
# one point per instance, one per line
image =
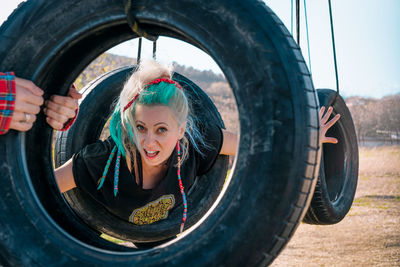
(7, 100)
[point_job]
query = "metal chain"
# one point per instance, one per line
(334, 47)
(298, 20)
(308, 39)
(139, 53)
(154, 49)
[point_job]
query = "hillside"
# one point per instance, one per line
(215, 85)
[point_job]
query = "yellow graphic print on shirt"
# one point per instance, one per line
(153, 211)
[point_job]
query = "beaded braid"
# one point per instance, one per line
(116, 173)
(103, 177)
(181, 187)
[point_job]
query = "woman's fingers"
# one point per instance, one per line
(24, 117)
(29, 85)
(60, 109)
(28, 96)
(65, 101)
(24, 95)
(321, 112)
(325, 124)
(22, 121)
(54, 123)
(26, 107)
(332, 121)
(328, 113)
(56, 116)
(331, 140)
(20, 126)
(28, 99)
(27, 91)
(74, 93)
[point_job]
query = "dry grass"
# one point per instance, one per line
(380, 161)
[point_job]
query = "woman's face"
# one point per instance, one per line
(158, 133)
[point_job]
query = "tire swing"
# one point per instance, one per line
(95, 110)
(337, 181)
(50, 42)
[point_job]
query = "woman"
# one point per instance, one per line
(154, 153)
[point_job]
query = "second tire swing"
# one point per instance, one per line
(338, 175)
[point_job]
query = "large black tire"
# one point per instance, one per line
(95, 109)
(338, 176)
(50, 42)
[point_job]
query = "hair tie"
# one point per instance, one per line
(156, 81)
(131, 102)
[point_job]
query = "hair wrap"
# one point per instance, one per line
(157, 81)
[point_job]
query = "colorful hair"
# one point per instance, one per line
(123, 127)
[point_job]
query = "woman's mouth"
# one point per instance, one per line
(151, 154)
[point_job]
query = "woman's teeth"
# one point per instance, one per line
(151, 153)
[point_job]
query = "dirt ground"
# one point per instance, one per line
(370, 233)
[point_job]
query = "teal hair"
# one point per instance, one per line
(157, 94)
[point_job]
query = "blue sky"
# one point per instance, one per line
(367, 42)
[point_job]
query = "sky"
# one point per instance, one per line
(367, 38)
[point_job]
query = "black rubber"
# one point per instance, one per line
(95, 109)
(338, 176)
(51, 42)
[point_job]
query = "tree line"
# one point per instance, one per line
(376, 118)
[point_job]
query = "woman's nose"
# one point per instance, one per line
(149, 140)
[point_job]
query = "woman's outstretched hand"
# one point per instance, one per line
(230, 139)
(324, 124)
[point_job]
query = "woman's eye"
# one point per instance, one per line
(162, 130)
(140, 127)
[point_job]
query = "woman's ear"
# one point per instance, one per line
(182, 130)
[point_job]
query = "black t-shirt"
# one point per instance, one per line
(133, 203)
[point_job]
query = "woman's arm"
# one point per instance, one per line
(229, 145)
(65, 177)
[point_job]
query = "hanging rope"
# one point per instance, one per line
(130, 11)
(291, 17)
(298, 20)
(333, 47)
(139, 52)
(308, 39)
(154, 49)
